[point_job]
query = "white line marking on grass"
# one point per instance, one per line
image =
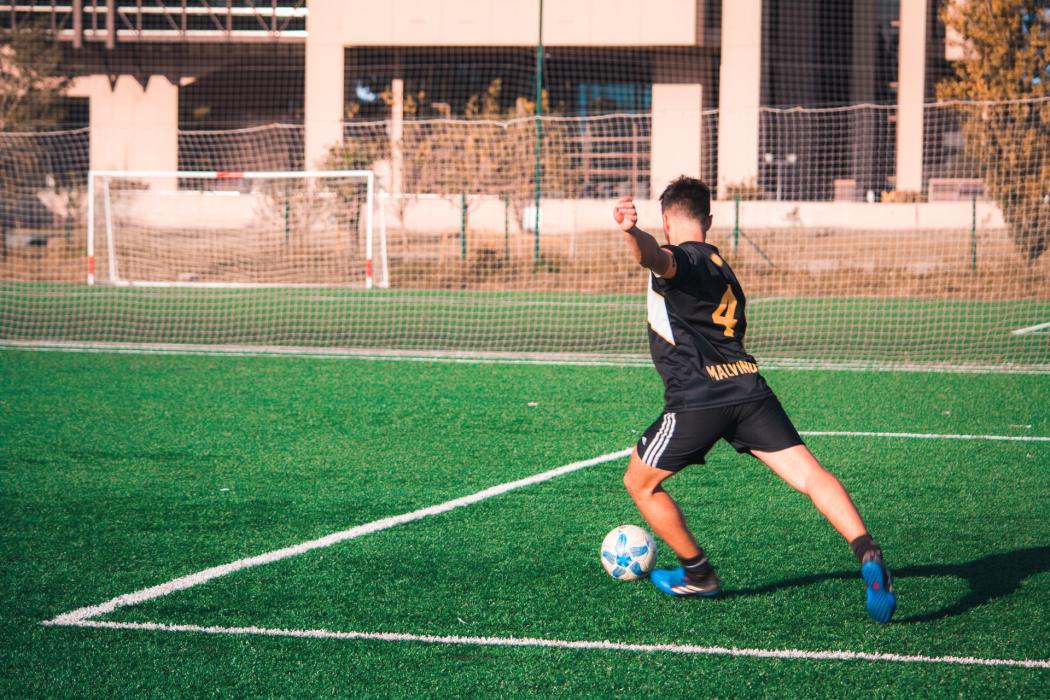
(214, 572)
(1031, 329)
(496, 302)
(922, 436)
(81, 617)
(196, 579)
(493, 357)
(335, 353)
(568, 644)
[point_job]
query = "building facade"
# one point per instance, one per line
(708, 87)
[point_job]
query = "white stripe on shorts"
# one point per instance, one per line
(660, 440)
(667, 440)
(656, 438)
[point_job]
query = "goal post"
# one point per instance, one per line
(229, 229)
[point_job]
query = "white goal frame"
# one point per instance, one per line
(106, 175)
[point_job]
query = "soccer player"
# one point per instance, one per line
(713, 390)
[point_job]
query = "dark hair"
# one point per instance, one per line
(691, 196)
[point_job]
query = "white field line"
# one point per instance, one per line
(1031, 329)
(922, 436)
(81, 617)
(567, 644)
(319, 353)
(196, 579)
(214, 572)
(489, 357)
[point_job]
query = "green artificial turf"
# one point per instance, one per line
(871, 329)
(122, 472)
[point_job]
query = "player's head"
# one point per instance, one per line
(686, 205)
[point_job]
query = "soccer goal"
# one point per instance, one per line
(232, 229)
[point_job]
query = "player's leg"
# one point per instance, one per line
(671, 443)
(695, 576)
(801, 470)
(643, 483)
(766, 432)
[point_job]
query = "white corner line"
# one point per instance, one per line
(829, 655)
(82, 614)
(923, 436)
(1031, 329)
(200, 577)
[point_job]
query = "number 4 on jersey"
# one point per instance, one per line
(725, 314)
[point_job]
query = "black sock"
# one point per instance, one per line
(698, 568)
(864, 544)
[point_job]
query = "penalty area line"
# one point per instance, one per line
(200, 577)
(526, 642)
(923, 436)
(196, 579)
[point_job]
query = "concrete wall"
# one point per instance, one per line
(739, 93)
(562, 216)
(911, 94)
(442, 213)
(506, 22)
(132, 128)
(859, 216)
(324, 78)
(189, 210)
(676, 135)
(335, 24)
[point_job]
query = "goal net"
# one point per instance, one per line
(461, 204)
(454, 264)
(231, 229)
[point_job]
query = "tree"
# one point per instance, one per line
(30, 86)
(30, 100)
(1004, 77)
(491, 150)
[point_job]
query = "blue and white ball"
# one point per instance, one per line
(628, 552)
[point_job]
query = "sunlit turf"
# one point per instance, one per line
(121, 472)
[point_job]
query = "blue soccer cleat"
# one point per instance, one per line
(882, 601)
(673, 582)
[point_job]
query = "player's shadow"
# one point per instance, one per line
(989, 578)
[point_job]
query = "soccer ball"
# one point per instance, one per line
(628, 552)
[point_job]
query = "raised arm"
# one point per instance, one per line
(644, 247)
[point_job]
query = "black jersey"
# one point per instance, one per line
(696, 333)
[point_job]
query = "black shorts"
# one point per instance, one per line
(678, 439)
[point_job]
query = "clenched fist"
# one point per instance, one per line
(625, 214)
